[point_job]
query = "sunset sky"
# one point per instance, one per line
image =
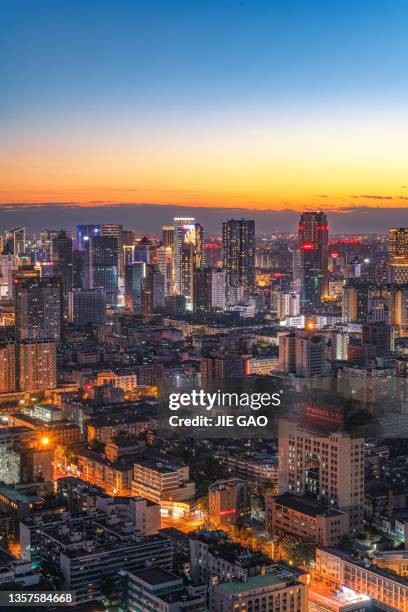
(276, 104)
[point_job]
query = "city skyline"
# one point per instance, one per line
(256, 105)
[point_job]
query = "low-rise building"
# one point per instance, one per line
(304, 518)
(264, 592)
(158, 589)
(336, 568)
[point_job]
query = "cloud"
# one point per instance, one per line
(371, 197)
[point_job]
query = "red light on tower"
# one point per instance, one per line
(307, 246)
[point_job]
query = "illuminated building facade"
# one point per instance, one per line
(398, 255)
(320, 460)
(37, 369)
(228, 503)
(238, 241)
(313, 234)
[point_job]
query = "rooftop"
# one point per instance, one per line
(256, 582)
(305, 505)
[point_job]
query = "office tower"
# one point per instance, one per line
(87, 306)
(128, 247)
(103, 265)
(115, 230)
(8, 265)
(213, 255)
(238, 242)
(152, 298)
(288, 305)
(313, 244)
(165, 265)
(168, 236)
(37, 365)
(302, 353)
(79, 270)
(178, 235)
(228, 503)
(175, 305)
(47, 237)
(320, 460)
(191, 258)
(38, 308)
(62, 260)
(84, 233)
(209, 290)
(145, 250)
(16, 240)
(398, 255)
(7, 367)
(379, 336)
(134, 274)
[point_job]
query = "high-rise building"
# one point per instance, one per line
(62, 260)
(209, 290)
(313, 244)
(379, 336)
(87, 306)
(321, 460)
(188, 255)
(115, 230)
(145, 250)
(168, 236)
(152, 298)
(288, 305)
(165, 265)
(179, 223)
(84, 233)
(38, 308)
(238, 241)
(134, 274)
(213, 254)
(7, 367)
(398, 255)
(16, 240)
(37, 365)
(8, 265)
(302, 353)
(103, 265)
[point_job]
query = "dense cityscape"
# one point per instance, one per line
(100, 324)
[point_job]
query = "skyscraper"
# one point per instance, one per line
(191, 258)
(398, 255)
(103, 265)
(7, 366)
(238, 241)
(134, 274)
(87, 306)
(15, 239)
(37, 363)
(116, 231)
(62, 260)
(152, 298)
(209, 290)
(83, 233)
(313, 244)
(38, 308)
(178, 235)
